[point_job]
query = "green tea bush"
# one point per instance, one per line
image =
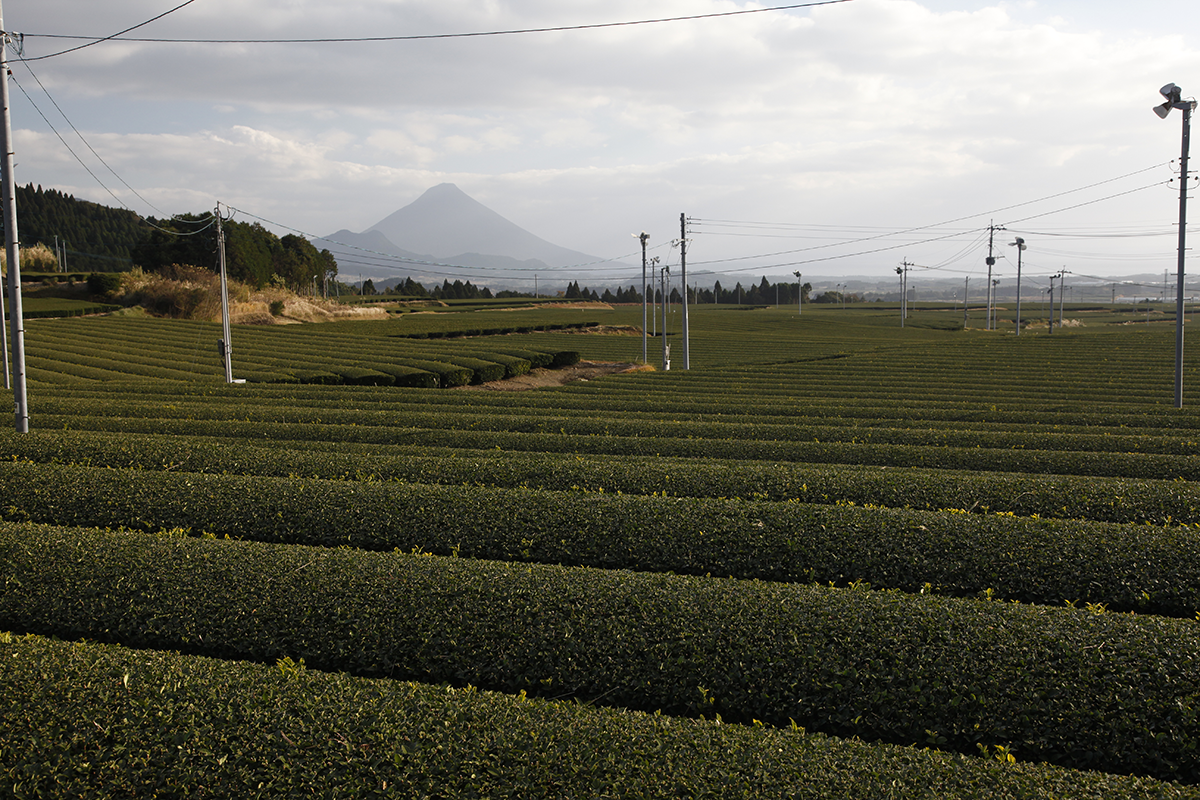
(1121, 500)
(482, 371)
(448, 374)
(1126, 567)
(291, 731)
(365, 376)
(1074, 687)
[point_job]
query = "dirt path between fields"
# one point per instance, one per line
(540, 378)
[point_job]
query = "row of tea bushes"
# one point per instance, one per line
(1072, 687)
(1120, 465)
(1121, 500)
(1126, 567)
(98, 351)
(464, 331)
(599, 423)
(106, 722)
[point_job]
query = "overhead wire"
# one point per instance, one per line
(89, 171)
(928, 227)
(82, 139)
(419, 37)
(390, 257)
(98, 40)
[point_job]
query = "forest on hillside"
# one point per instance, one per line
(95, 238)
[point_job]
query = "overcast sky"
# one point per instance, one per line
(823, 132)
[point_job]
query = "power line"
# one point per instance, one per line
(574, 268)
(85, 141)
(418, 37)
(935, 226)
(103, 38)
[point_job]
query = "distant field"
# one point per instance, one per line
(835, 558)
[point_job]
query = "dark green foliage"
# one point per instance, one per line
(365, 376)
(103, 284)
(769, 449)
(253, 254)
(565, 358)
(1121, 500)
(513, 365)
(97, 238)
(1068, 686)
(1137, 567)
(535, 358)
(448, 374)
(409, 376)
(317, 377)
(482, 371)
(203, 728)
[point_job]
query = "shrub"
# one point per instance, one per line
(104, 284)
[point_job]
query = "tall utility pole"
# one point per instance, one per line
(1052, 279)
(1062, 296)
(225, 346)
(662, 281)
(1020, 245)
(644, 237)
(12, 244)
(1183, 189)
(799, 295)
(966, 294)
(1174, 98)
(991, 262)
(683, 280)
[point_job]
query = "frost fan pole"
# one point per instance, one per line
(224, 345)
(12, 245)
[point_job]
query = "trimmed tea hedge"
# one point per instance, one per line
(1122, 500)
(202, 728)
(1072, 687)
(448, 374)
(1138, 567)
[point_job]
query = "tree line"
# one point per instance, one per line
(253, 254)
(95, 238)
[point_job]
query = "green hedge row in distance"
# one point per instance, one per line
(1088, 690)
(204, 728)
(1119, 465)
(1119, 500)
(481, 371)
(1126, 567)
(597, 422)
(496, 331)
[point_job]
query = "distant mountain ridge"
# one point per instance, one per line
(445, 225)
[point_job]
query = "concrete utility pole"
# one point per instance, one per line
(966, 295)
(1062, 296)
(12, 244)
(225, 346)
(1052, 279)
(799, 295)
(1020, 245)
(991, 262)
(902, 271)
(1183, 188)
(644, 237)
(1174, 99)
(662, 281)
(683, 281)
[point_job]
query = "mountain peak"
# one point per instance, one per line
(445, 221)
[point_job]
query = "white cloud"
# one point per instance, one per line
(882, 112)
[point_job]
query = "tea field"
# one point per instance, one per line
(835, 558)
